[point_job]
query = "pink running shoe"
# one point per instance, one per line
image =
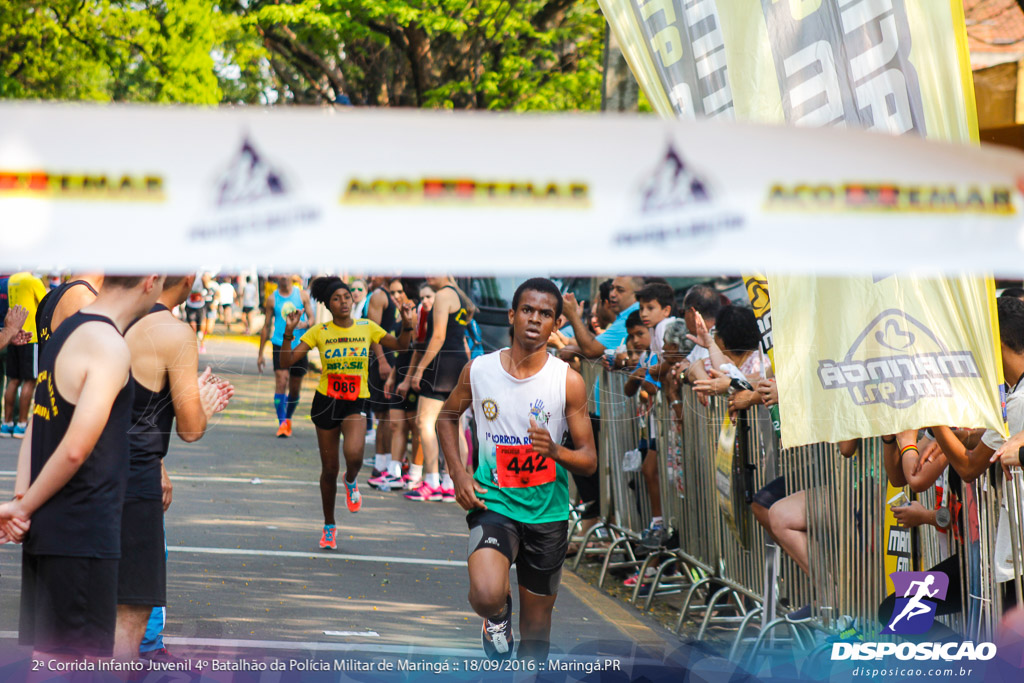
(447, 495)
(425, 493)
(385, 482)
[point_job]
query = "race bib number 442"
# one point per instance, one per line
(522, 467)
(344, 387)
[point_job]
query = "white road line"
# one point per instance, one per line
(355, 648)
(401, 650)
(241, 480)
(6, 474)
(316, 556)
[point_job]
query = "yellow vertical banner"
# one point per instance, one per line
(904, 353)
(859, 357)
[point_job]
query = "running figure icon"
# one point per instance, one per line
(914, 607)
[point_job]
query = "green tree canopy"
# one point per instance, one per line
(465, 54)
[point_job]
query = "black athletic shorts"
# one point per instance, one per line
(379, 401)
(408, 404)
(298, 369)
(424, 392)
(23, 361)
(772, 493)
(247, 309)
(537, 550)
(142, 573)
(328, 413)
(195, 315)
(68, 604)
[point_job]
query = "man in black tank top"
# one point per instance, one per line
(165, 363)
(61, 303)
(71, 477)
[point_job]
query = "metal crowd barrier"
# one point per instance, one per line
(740, 581)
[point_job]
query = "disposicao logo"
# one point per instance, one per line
(918, 595)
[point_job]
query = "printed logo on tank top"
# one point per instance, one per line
(537, 413)
(490, 407)
(49, 410)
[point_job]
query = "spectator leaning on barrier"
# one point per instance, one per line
(640, 338)
(701, 302)
(970, 463)
(733, 345)
(920, 464)
(623, 301)
(655, 299)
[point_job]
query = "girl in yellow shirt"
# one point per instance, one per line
(339, 404)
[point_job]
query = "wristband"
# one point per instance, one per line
(890, 441)
(908, 447)
(408, 329)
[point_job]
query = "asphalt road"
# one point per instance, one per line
(246, 577)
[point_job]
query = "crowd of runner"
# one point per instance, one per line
(93, 360)
(96, 359)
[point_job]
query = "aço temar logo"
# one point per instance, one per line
(896, 361)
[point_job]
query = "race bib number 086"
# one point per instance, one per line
(343, 387)
(522, 467)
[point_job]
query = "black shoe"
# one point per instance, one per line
(802, 614)
(497, 638)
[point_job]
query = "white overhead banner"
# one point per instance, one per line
(130, 188)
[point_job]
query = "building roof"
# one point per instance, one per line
(995, 31)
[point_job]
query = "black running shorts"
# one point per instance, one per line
(538, 550)
(68, 604)
(142, 573)
(328, 413)
(194, 315)
(380, 401)
(23, 362)
(772, 493)
(297, 369)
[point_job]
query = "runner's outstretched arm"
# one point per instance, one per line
(448, 436)
(401, 342)
(583, 460)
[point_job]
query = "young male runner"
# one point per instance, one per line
(25, 290)
(285, 299)
(165, 364)
(71, 476)
(63, 302)
(250, 301)
(524, 401)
